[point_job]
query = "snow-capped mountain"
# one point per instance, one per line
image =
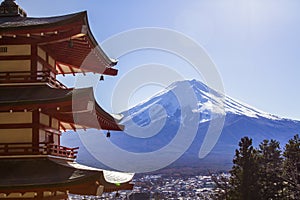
(208, 101)
(200, 125)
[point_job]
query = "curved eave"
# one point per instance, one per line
(84, 110)
(40, 174)
(96, 46)
(85, 53)
(75, 108)
(54, 35)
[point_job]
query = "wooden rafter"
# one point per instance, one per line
(73, 127)
(71, 69)
(60, 69)
(63, 128)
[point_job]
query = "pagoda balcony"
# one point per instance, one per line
(30, 78)
(43, 148)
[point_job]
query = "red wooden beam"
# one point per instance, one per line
(56, 34)
(35, 130)
(62, 36)
(49, 129)
(16, 126)
(15, 57)
(47, 65)
(110, 71)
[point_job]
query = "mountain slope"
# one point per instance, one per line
(194, 111)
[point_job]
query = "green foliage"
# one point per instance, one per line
(244, 175)
(270, 170)
(291, 172)
(264, 173)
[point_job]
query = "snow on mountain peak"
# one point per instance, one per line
(236, 107)
(215, 102)
(210, 102)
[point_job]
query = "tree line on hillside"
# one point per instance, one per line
(263, 173)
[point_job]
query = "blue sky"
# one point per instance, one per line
(255, 44)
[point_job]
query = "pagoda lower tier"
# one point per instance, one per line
(33, 163)
(48, 178)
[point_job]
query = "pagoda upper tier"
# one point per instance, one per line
(64, 44)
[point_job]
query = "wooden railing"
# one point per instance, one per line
(61, 151)
(30, 77)
(43, 148)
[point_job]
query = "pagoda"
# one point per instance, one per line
(35, 108)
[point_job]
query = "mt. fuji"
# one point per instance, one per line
(212, 122)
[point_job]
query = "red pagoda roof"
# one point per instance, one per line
(68, 38)
(40, 166)
(75, 108)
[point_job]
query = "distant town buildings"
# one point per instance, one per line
(155, 187)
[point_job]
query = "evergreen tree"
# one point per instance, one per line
(270, 170)
(262, 174)
(244, 174)
(292, 168)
